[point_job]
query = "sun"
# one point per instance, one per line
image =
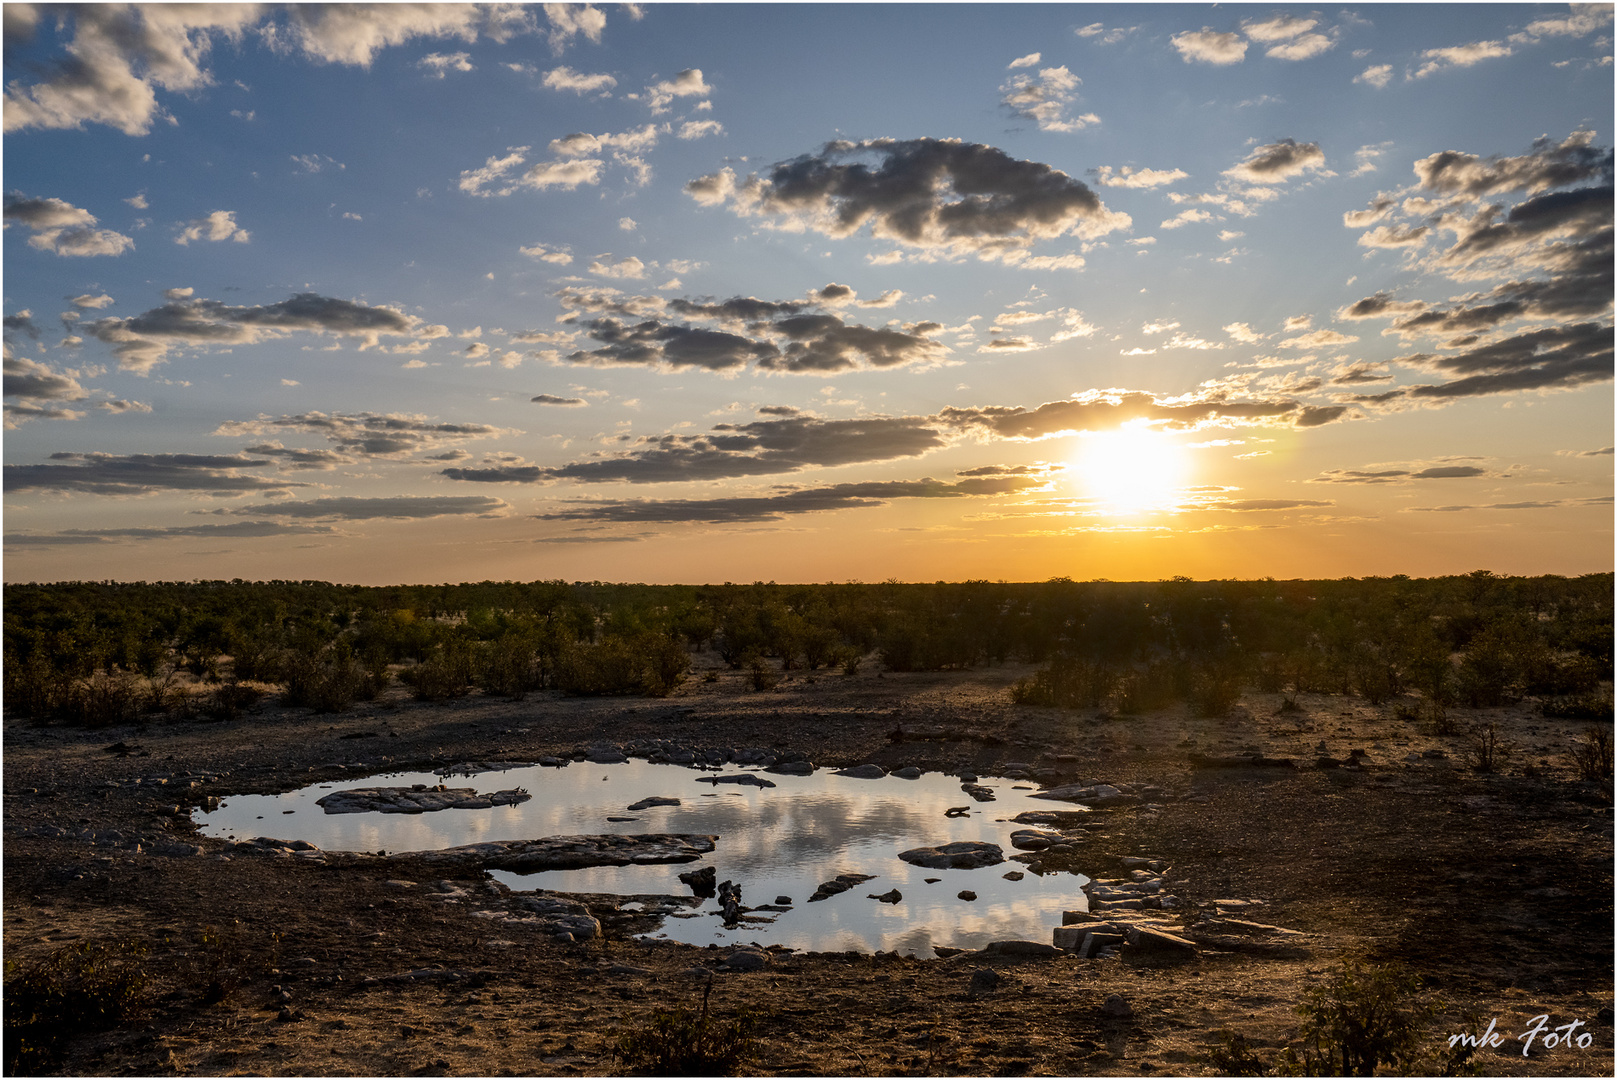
(1130, 471)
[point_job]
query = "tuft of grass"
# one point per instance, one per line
(1360, 1019)
(91, 986)
(683, 1042)
(1486, 749)
(1591, 706)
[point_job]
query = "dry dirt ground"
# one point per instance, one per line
(1495, 889)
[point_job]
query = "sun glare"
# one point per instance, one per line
(1132, 470)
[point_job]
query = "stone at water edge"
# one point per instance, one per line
(863, 772)
(654, 800)
(909, 772)
(1143, 941)
(746, 960)
(966, 894)
(703, 882)
(960, 855)
(1017, 947)
(891, 896)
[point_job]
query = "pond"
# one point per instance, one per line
(779, 841)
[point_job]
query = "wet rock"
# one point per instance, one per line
(575, 852)
(909, 772)
(1099, 795)
(604, 755)
(1014, 875)
(416, 800)
(863, 772)
(978, 792)
(1016, 947)
(1158, 944)
(793, 768)
(1033, 839)
(784, 901)
(744, 779)
(746, 960)
(730, 902)
(839, 884)
(966, 894)
(654, 800)
(891, 896)
(957, 811)
(703, 882)
(932, 880)
(960, 855)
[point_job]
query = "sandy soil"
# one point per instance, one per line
(1495, 889)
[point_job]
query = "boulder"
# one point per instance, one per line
(960, 855)
(863, 772)
(839, 884)
(1098, 795)
(1116, 1008)
(746, 960)
(419, 799)
(891, 896)
(1033, 839)
(966, 894)
(1020, 948)
(654, 800)
(604, 755)
(908, 772)
(703, 882)
(744, 779)
(983, 980)
(1158, 944)
(793, 768)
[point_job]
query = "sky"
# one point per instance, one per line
(680, 293)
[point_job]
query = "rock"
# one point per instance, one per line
(957, 811)
(909, 772)
(574, 852)
(703, 882)
(1144, 941)
(1033, 839)
(978, 792)
(1014, 875)
(604, 755)
(966, 894)
(654, 800)
(1116, 1008)
(839, 884)
(793, 768)
(863, 772)
(746, 960)
(984, 980)
(627, 969)
(1020, 948)
(1099, 795)
(745, 779)
(784, 901)
(1070, 917)
(1068, 937)
(416, 800)
(891, 896)
(932, 880)
(960, 855)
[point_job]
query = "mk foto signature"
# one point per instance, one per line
(1566, 1035)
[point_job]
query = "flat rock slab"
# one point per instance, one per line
(744, 779)
(1095, 795)
(654, 800)
(402, 800)
(863, 772)
(960, 855)
(575, 852)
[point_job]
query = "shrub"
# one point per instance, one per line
(510, 667)
(446, 674)
(680, 1042)
(648, 663)
(1145, 691)
(1234, 1057)
(1359, 1019)
(1068, 683)
(229, 700)
(1594, 706)
(1486, 749)
(85, 987)
(1215, 690)
(763, 676)
(1591, 755)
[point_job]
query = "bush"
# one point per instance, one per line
(763, 677)
(1068, 683)
(1486, 749)
(1591, 755)
(1234, 1057)
(1595, 706)
(1215, 690)
(649, 663)
(680, 1042)
(229, 700)
(81, 988)
(1148, 690)
(1359, 1019)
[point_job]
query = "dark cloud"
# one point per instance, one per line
(1574, 161)
(1244, 505)
(1487, 506)
(1278, 161)
(1398, 476)
(60, 227)
(36, 382)
(20, 322)
(235, 530)
(775, 507)
(1553, 358)
(301, 459)
(659, 344)
(747, 309)
(143, 341)
(365, 434)
(23, 411)
(1097, 411)
(552, 399)
(142, 474)
(349, 508)
(936, 194)
(501, 474)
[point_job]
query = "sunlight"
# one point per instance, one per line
(1132, 470)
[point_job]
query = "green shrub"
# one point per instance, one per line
(81, 988)
(1592, 706)
(682, 1042)
(1148, 690)
(1361, 1018)
(648, 663)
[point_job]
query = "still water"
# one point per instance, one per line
(773, 842)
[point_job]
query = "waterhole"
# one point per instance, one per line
(775, 842)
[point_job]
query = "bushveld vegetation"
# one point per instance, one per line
(104, 653)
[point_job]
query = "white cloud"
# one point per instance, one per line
(440, 64)
(697, 129)
(687, 83)
(1210, 47)
(1187, 217)
(1304, 48)
(217, 226)
(628, 224)
(1030, 60)
(1243, 333)
(629, 267)
(62, 228)
(1044, 99)
(1130, 177)
(565, 78)
(1376, 75)
(1277, 27)
(88, 301)
(1459, 56)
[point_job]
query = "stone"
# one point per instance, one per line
(746, 960)
(744, 779)
(573, 852)
(957, 811)
(1097, 795)
(1070, 917)
(703, 882)
(863, 772)
(1068, 938)
(839, 884)
(959, 855)
(654, 800)
(984, 980)
(978, 792)
(1017, 947)
(891, 896)
(909, 772)
(784, 901)
(1014, 875)
(966, 894)
(604, 755)
(1116, 1008)
(1144, 941)
(793, 768)
(1033, 839)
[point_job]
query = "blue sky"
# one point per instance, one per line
(697, 293)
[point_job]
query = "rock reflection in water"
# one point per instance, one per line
(775, 841)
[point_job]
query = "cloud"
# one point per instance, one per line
(440, 64)
(142, 474)
(409, 507)
(1210, 47)
(1249, 505)
(1106, 410)
(752, 509)
(236, 530)
(1130, 177)
(1551, 358)
(1319, 339)
(1398, 475)
(627, 267)
(62, 228)
(1030, 60)
(1574, 160)
(1305, 47)
(687, 83)
(86, 300)
(1243, 333)
(1583, 19)
(583, 144)
(217, 226)
(1044, 99)
(1604, 451)
(1278, 161)
(559, 256)
(565, 78)
(117, 59)
(552, 399)
(364, 434)
(1459, 56)
(499, 175)
(1376, 75)
(354, 34)
(1278, 27)
(33, 381)
(143, 341)
(942, 196)
(698, 129)
(1186, 217)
